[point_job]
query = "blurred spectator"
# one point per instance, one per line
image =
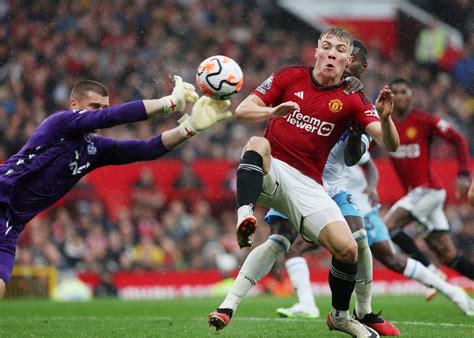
(463, 71)
(147, 255)
(146, 192)
(431, 45)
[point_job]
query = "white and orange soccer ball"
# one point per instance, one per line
(219, 77)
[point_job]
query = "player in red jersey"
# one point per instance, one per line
(425, 199)
(308, 112)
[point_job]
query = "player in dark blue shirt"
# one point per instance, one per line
(63, 148)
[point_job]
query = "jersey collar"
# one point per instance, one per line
(320, 86)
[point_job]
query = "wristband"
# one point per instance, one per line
(169, 104)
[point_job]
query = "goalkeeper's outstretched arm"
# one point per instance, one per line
(206, 113)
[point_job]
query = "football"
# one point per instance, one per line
(219, 77)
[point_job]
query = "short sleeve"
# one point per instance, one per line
(364, 110)
(364, 159)
(271, 90)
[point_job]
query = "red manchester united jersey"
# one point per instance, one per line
(304, 139)
(412, 159)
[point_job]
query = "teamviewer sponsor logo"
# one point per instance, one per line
(310, 124)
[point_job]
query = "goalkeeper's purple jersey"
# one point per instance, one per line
(61, 151)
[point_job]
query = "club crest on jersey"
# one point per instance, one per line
(335, 105)
(91, 148)
(411, 132)
(266, 85)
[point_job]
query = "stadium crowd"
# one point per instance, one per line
(132, 47)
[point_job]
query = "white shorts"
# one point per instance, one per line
(296, 195)
(426, 206)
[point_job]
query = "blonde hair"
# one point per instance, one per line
(338, 32)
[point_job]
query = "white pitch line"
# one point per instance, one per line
(252, 319)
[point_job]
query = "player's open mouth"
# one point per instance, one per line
(330, 65)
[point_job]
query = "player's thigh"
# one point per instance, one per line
(300, 246)
(442, 244)
(337, 238)
(397, 217)
(435, 222)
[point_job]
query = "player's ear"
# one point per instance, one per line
(73, 104)
(316, 53)
(364, 66)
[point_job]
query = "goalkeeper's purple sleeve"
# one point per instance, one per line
(122, 152)
(79, 121)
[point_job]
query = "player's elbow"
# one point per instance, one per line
(241, 111)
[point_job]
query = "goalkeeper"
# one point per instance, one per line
(63, 148)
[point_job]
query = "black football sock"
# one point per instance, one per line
(249, 178)
(407, 244)
(228, 312)
(342, 278)
(464, 266)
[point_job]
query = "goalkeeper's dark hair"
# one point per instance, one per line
(82, 87)
(401, 80)
(363, 50)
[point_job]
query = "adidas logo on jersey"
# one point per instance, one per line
(300, 94)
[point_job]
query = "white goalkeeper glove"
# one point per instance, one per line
(206, 113)
(182, 92)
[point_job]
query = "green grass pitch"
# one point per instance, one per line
(256, 317)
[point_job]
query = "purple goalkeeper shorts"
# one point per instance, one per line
(8, 241)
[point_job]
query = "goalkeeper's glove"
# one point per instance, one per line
(182, 92)
(206, 113)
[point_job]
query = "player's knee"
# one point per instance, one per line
(284, 228)
(258, 144)
(347, 253)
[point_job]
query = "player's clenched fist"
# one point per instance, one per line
(284, 109)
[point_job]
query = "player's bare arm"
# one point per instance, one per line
(384, 132)
(253, 109)
(459, 142)
(372, 175)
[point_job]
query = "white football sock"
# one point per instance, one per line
(417, 271)
(363, 286)
(298, 271)
(256, 266)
